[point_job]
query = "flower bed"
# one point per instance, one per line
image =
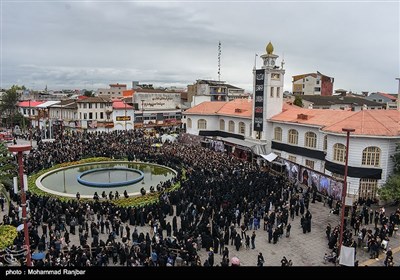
(7, 235)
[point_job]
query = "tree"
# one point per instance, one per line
(298, 101)
(9, 102)
(396, 159)
(7, 165)
(391, 189)
(88, 93)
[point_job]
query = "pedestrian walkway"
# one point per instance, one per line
(303, 249)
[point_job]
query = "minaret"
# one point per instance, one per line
(268, 92)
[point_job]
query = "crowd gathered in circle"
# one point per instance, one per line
(211, 210)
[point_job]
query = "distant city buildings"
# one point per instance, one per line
(390, 100)
(209, 90)
(312, 84)
(338, 102)
(115, 91)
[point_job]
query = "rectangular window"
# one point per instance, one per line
(101, 115)
(90, 105)
(96, 115)
(368, 188)
(95, 105)
(84, 105)
(101, 105)
(317, 89)
(84, 116)
(90, 116)
(278, 92)
(338, 176)
(317, 82)
(310, 163)
(272, 91)
(292, 158)
(80, 115)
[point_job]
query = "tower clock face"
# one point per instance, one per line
(272, 62)
(266, 62)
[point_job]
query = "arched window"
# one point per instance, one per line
(325, 142)
(242, 128)
(221, 125)
(371, 156)
(293, 137)
(278, 134)
(311, 139)
(189, 123)
(201, 124)
(231, 127)
(339, 152)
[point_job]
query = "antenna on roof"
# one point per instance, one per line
(219, 60)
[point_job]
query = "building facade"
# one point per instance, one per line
(390, 100)
(209, 90)
(312, 84)
(114, 92)
(312, 138)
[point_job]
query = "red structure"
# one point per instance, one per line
(19, 149)
(344, 191)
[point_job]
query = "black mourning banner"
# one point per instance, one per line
(259, 100)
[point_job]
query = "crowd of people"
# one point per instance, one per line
(211, 210)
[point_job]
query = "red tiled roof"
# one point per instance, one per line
(318, 117)
(387, 95)
(118, 104)
(237, 108)
(31, 103)
(206, 108)
(365, 122)
(370, 122)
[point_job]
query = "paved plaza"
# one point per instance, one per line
(303, 249)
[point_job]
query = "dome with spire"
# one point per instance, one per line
(269, 48)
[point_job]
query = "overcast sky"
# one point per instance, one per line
(90, 44)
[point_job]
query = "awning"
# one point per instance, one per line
(47, 104)
(235, 141)
(270, 157)
(255, 147)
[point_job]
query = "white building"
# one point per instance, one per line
(114, 92)
(310, 137)
(157, 107)
(209, 90)
(94, 113)
(122, 115)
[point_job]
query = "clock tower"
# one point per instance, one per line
(268, 93)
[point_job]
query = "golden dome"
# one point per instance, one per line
(269, 48)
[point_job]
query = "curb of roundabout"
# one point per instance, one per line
(110, 184)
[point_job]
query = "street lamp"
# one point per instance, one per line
(344, 190)
(143, 111)
(61, 121)
(19, 149)
(125, 114)
(30, 123)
